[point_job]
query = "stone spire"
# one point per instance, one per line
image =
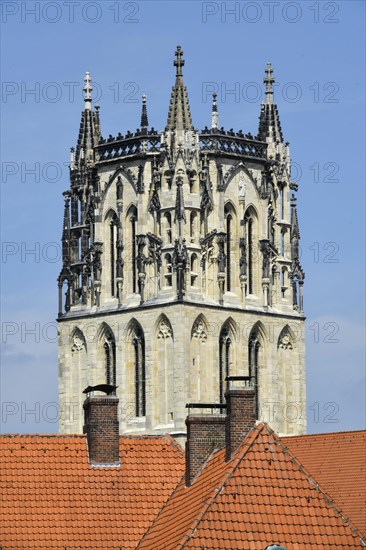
(215, 114)
(89, 132)
(144, 118)
(179, 116)
(269, 120)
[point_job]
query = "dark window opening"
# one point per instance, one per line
(112, 255)
(250, 256)
(225, 360)
(140, 378)
(228, 252)
(110, 361)
(133, 255)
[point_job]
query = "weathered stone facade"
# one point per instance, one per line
(181, 267)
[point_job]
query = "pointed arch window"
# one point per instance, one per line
(253, 363)
(133, 221)
(229, 220)
(250, 255)
(111, 236)
(250, 232)
(200, 380)
(140, 373)
(112, 253)
(110, 359)
(230, 250)
(131, 250)
(225, 352)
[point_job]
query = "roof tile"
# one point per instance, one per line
(338, 462)
(50, 496)
(263, 494)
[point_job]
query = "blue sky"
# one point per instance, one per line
(316, 49)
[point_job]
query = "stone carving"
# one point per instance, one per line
(199, 331)
(285, 341)
(164, 330)
(242, 187)
(78, 343)
(180, 261)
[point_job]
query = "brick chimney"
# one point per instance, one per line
(240, 412)
(102, 429)
(205, 433)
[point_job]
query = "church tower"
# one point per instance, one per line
(181, 268)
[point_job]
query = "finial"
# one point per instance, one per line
(144, 118)
(268, 81)
(293, 201)
(88, 88)
(215, 114)
(179, 61)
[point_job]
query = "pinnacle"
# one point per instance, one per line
(179, 116)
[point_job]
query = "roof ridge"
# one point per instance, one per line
(174, 443)
(228, 474)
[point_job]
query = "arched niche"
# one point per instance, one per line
(200, 375)
(163, 373)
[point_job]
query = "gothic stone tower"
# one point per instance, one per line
(181, 267)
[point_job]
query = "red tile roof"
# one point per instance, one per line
(338, 462)
(263, 496)
(50, 497)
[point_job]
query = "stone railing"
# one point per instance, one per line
(232, 144)
(130, 144)
(221, 142)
